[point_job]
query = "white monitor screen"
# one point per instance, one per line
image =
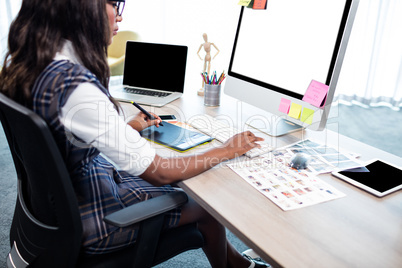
(289, 44)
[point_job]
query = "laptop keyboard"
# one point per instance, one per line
(146, 92)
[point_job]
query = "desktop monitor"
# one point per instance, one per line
(279, 51)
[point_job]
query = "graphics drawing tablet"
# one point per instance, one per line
(175, 137)
(377, 177)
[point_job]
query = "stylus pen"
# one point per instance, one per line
(145, 112)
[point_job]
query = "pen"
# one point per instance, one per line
(150, 117)
(204, 78)
(220, 78)
(223, 78)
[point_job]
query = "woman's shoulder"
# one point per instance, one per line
(64, 74)
(61, 77)
(69, 70)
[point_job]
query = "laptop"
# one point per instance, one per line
(154, 74)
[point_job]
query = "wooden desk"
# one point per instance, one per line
(359, 230)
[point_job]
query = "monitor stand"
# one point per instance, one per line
(279, 127)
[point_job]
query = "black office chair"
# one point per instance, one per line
(46, 230)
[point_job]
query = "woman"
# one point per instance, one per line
(57, 66)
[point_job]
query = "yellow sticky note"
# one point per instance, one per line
(244, 2)
(307, 116)
(295, 110)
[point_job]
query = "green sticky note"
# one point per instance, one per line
(307, 116)
(244, 2)
(295, 110)
(251, 4)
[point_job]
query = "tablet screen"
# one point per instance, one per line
(381, 176)
(175, 137)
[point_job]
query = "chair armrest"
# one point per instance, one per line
(146, 209)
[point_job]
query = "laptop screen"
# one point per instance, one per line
(155, 66)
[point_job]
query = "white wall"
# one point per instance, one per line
(183, 22)
(175, 21)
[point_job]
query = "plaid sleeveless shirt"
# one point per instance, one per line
(99, 187)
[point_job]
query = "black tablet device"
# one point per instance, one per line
(175, 137)
(377, 177)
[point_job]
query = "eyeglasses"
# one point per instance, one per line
(119, 7)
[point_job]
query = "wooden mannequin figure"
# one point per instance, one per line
(207, 59)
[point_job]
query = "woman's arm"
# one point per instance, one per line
(88, 114)
(169, 170)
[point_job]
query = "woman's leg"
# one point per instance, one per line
(217, 248)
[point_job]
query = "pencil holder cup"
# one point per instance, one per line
(212, 95)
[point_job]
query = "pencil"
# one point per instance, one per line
(220, 78)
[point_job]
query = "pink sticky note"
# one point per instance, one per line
(316, 94)
(284, 106)
(260, 4)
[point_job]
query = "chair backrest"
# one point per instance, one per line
(118, 46)
(46, 224)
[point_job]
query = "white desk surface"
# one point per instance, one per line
(359, 230)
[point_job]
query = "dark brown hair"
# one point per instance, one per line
(39, 31)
